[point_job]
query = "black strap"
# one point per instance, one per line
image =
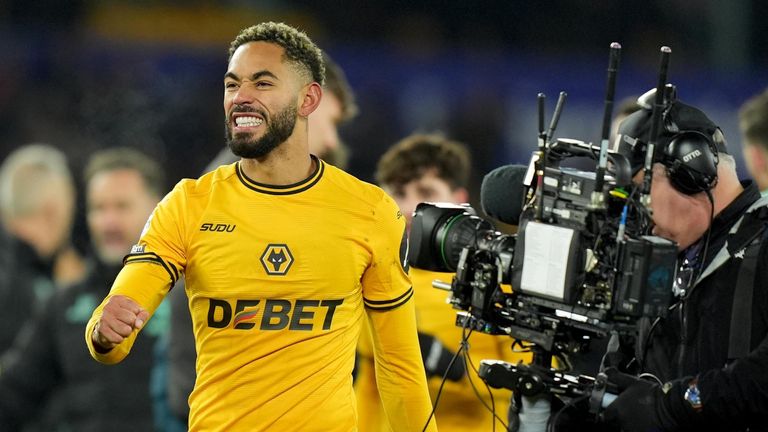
(739, 342)
(748, 239)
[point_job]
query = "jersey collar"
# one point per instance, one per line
(290, 189)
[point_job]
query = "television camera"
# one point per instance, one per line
(582, 264)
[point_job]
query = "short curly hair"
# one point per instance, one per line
(414, 155)
(299, 49)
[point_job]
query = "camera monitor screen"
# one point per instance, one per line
(549, 261)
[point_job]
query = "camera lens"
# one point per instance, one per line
(456, 233)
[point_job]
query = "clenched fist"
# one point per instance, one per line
(119, 318)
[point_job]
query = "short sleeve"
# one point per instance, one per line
(385, 282)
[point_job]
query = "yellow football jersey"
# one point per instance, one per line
(277, 277)
(459, 409)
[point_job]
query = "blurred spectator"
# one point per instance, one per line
(424, 168)
(753, 122)
(432, 168)
(336, 107)
(37, 204)
(122, 188)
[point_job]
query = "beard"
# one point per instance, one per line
(278, 130)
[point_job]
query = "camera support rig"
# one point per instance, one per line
(608, 276)
(534, 384)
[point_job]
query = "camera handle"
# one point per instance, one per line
(532, 416)
(533, 386)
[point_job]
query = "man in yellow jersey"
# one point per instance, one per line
(419, 168)
(336, 107)
(281, 254)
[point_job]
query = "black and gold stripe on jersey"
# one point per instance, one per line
(152, 257)
(384, 305)
(294, 188)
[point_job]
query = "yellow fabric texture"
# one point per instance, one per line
(277, 279)
(459, 409)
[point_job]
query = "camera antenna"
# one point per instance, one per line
(545, 140)
(541, 156)
(598, 198)
(556, 116)
(658, 106)
(540, 98)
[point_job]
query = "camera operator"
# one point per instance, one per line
(710, 354)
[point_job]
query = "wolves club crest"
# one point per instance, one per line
(276, 259)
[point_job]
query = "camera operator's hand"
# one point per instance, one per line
(642, 406)
(437, 359)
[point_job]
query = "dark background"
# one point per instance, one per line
(88, 74)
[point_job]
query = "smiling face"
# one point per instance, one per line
(261, 94)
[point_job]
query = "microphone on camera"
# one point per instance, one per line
(502, 193)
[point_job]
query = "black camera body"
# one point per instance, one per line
(576, 247)
(582, 264)
(576, 270)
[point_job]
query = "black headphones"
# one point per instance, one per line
(691, 160)
(690, 156)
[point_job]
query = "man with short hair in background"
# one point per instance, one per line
(46, 367)
(753, 122)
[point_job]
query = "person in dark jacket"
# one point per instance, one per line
(37, 208)
(47, 367)
(706, 366)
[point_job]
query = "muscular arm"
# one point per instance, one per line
(389, 304)
(146, 284)
(399, 371)
(150, 270)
